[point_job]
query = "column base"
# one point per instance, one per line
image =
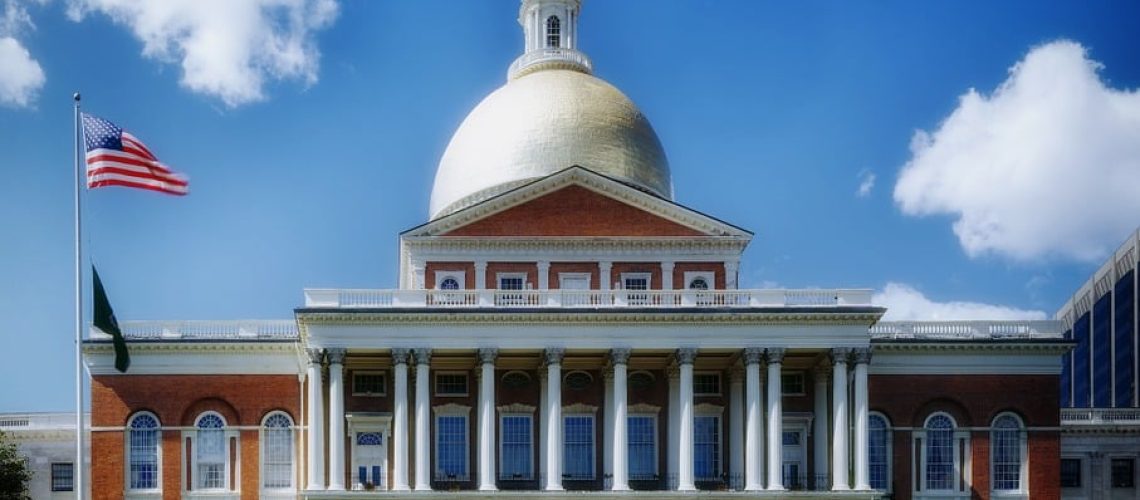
(863, 487)
(553, 488)
(336, 487)
(401, 487)
(423, 488)
(687, 487)
(840, 487)
(488, 488)
(778, 487)
(753, 487)
(620, 487)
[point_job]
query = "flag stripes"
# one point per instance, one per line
(117, 158)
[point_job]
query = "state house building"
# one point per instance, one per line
(563, 327)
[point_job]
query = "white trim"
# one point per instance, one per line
(369, 423)
(648, 277)
(708, 276)
(231, 469)
(562, 277)
(889, 447)
(157, 490)
(1022, 490)
(636, 411)
(705, 410)
(452, 410)
(293, 448)
(383, 386)
(499, 277)
(580, 411)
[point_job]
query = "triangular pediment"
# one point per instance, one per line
(577, 202)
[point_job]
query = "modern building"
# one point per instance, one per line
(47, 441)
(563, 328)
(1100, 414)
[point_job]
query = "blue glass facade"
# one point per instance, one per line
(1124, 341)
(1100, 371)
(1102, 351)
(1067, 374)
(1081, 378)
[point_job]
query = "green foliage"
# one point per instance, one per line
(14, 471)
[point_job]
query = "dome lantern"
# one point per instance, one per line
(550, 33)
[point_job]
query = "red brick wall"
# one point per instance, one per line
(468, 269)
(573, 211)
(177, 399)
(680, 268)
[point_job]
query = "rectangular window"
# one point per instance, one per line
(578, 447)
(451, 448)
(450, 384)
(62, 477)
(706, 447)
(792, 384)
(1102, 349)
(641, 432)
(1081, 382)
(940, 460)
(1124, 341)
(1123, 473)
(635, 283)
(368, 384)
(1070, 473)
(511, 282)
(706, 384)
(211, 459)
(515, 454)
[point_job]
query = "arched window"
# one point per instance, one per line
(1006, 442)
(553, 32)
(142, 449)
(210, 455)
(879, 451)
(939, 463)
(699, 284)
(449, 284)
(277, 451)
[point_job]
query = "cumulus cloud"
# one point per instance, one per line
(226, 49)
(1046, 166)
(21, 77)
(905, 303)
(866, 183)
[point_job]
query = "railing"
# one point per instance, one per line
(239, 329)
(569, 299)
(41, 421)
(964, 330)
(1100, 416)
(569, 57)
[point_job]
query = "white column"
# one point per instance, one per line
(821, 430)
(554, 419)
(400, 419)
(619, 444)
(862, 357)
(423, 420)
(685, 358)
(480, 275)
(418, 270)
(839, 480)
(543, 275)
(487, 419)
(753, 429)
(673, 448)
(736, 427)
(608, 426)
(336, 418)
(667, 275)
(775, 421)
(604, 278)
(316, 432)
(543, 403)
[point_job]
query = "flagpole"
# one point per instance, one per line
(80, 492)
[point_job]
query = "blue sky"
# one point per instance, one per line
(311, 135)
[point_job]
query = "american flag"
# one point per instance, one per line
(117, 158)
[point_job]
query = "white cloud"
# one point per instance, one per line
(1046, 166)
(22, 77)
(227, 49)
(866, 183)
(905, 303)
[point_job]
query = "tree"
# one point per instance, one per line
(14, 472)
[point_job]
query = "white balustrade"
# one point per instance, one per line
(966, 329)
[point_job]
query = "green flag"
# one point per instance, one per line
(104, 319)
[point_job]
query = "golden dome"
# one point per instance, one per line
(542, 122)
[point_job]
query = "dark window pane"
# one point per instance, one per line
(1125, 338)
(62, 477)
(1081, 362)
(1123, 473)
(1070, 473)
(1102, 351)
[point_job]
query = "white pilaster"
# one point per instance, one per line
(336, 419)
(667, 275)
(820, 429)
(730, 271)
(735, 425)
(480, 275)
(839, 481)
(543, 275)
(487, 419)
(862, 357)
(554, 419)
(685, 358)
(604, 278)
(619, 444)
(609, 423)
(316, 432)
(673, 446)
(775, 421)
(753, 429)
(400, 419)
(418, 270)
(423, 420)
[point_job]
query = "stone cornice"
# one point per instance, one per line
(549, 247)
(183, 347)
(773, 316)
(1040, 346)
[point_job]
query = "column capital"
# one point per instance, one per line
(481, 265)
(423, 355)
(822, 373)
(315, 355)
(620, 355)
(336, 356)
(553, 355)
(861, 356)
(487, 354)
(543, 265)
(605, 265)
(686, 355)
(668, 265)
(839, 355)
(776, 355)
(752, 355)
(400, 355)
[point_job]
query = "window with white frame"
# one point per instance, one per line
(63, 476)
(641, 432)
(450, 384)
(553, 32)
(277, 452)
(1007, 443)
(706, 447)
(516, 444)
(578, 446)
(699, 284)
(879, 451)
(368, 383)
(940, 454)
(508, 283)
(143, 452)
(636, 285)
(451, 447)
(211, 456)
(706, 384)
